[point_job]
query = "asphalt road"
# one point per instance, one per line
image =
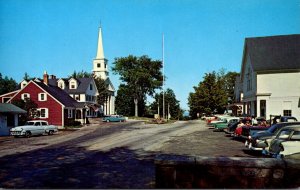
(106, 155)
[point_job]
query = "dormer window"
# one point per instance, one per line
(73, 83)
(61, 84)
(91, 87)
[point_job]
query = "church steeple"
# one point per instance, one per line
(100, 68)
(100, 52)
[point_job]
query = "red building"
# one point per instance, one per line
(53, 104)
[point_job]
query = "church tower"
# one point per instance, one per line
(100, 68)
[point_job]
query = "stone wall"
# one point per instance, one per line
(225, 172)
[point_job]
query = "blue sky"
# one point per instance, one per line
(201, 36)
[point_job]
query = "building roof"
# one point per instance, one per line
(83, 85)
(58, 94)
(10, 108)
(274, 52)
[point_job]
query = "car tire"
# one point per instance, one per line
(28, 134)
(107, 121)
(50, 132)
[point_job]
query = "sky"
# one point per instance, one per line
(200, 36)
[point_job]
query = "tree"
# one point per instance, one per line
(102, 87)
(7, 84)
(124, 101)
(29, 106)
(141, 74)
(229, 84)
(209, 97)
(171, 104)
(81, 74)
(26, 76)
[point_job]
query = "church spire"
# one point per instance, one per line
(100, 68)
(100, 52)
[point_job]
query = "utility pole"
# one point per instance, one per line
(163, 64)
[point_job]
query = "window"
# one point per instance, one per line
(70, 113)
(77, 97)
(44, 123)
(42, 112)
(91, 87)
(263, 108)
(287, 112)
(249, 80)
(61, 85)
(98, 65)
(296, 136)
(25, 96)
(42, 96)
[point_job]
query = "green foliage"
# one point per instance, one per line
(28, 105)
(140, 74)
(170, 100)
(124, 102)
(102, 87)
(81, 74)
(210, 95)
(7, 84)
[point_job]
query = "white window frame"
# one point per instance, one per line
(40, 97)
(46, 112)
(23, 96)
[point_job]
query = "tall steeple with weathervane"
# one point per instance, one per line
(100, 68)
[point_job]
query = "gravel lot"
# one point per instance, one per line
(106, 155)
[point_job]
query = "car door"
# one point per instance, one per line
(39, 129)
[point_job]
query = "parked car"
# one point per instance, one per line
(250, 131)
(114, 118)
(258, 140)
(286, 142)
(226, 123)
(231, 128)
(34, 127)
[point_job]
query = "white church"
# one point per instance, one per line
(100, 69)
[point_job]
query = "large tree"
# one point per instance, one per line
(7, 84)
(124, 105)
(209, 96)
(141, 74)
(172, 106)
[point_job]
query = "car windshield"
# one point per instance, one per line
(29, 123)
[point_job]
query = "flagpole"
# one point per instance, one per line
(163, 64)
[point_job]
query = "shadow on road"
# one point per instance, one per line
(70, 167)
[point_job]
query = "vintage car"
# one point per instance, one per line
(114, 118)
(286, 142)
(259, 139)
(226, 123)
(250, 131)
(34, 127)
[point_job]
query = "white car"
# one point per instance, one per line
(287, 142)
(34, 127)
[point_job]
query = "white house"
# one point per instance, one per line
(270, 76)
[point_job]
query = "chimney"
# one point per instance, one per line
(45, 78)
(52, 77)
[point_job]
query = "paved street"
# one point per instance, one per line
(106, 155)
